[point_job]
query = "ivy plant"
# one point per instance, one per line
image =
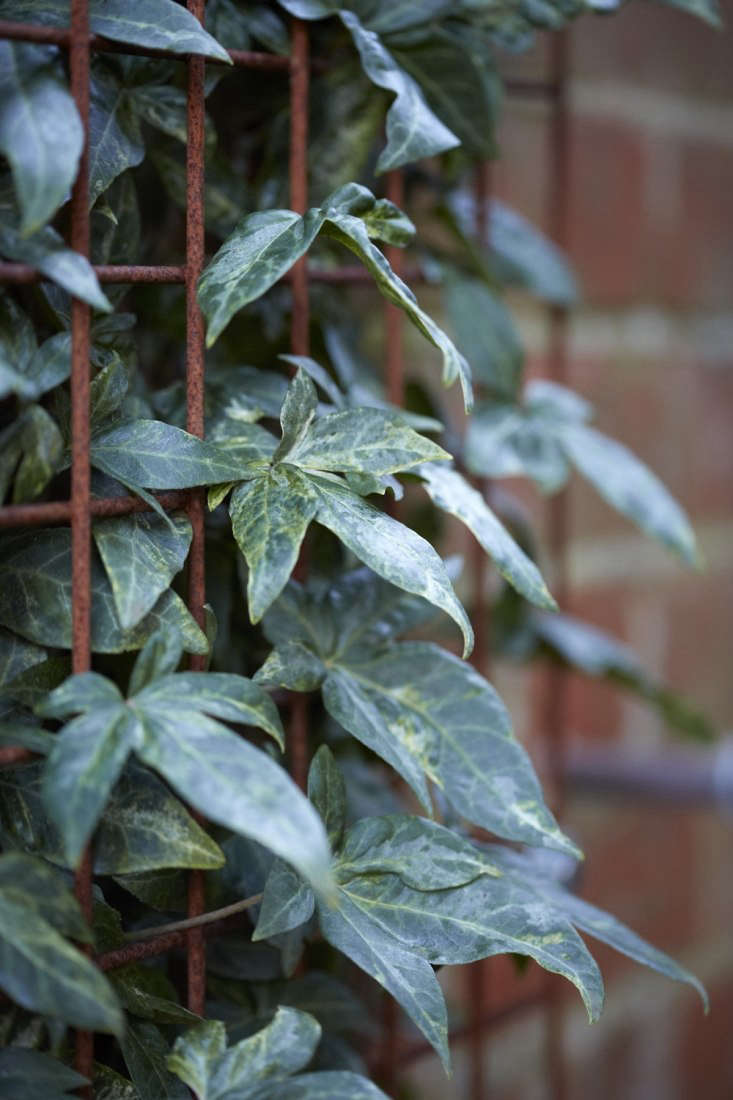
(159, 770)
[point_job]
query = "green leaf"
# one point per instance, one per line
(287, 902)
(270, 516)
(220, 694)
(35, 1076)
(213, 1072)
(293, 666)
(115, 141)
(83, 766)
(16, 657)
(413, 131)
(147, 993)
(78, 695)
(159, 456)
(325, 1085)
(450, 491)
(425, 855)
(235, 785)
(36, 600)
(160, 24)
(446, 721)
(363, 440)
(145, 1051)
(505, 440)
(327, 792)
(407, 976)
(46, 251)
(40, 131)
(390, 549)
(109, 1085)
(485, 917)
(141, 555)
(264, 246)
(162, 106)
(38, 968)
(159, 656)
(484, 330)
(299, 408)
(525, 867)
(630, 487)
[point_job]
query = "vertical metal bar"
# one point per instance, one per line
(478, 974)
(195, 355)
(300, 321)
(81, 547)
(555, 688)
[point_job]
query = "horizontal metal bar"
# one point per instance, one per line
(59, 511)
(349, 275)
(61, 36)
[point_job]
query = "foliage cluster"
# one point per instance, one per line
(295, 449)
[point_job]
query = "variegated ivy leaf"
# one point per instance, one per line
(161, 24)
(450, 491)
(39, 969)
(145, 1050)
(263, 1066)
(264, 246)
(141, 555)
(413, 130)
(35, 601)
(155, 455)
(430, 715)
(40, 130)
(296, 414)
(46, 251)
(31, 450)
(548, 433)
(170, 724)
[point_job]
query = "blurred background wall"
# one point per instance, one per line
(651, 235)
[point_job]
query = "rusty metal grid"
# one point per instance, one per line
(490, 1002)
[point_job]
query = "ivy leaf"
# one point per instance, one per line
(148, 994)
(141, 555)
(158, 456)
(46, 251)
(145, 1051)
(270, 516)
(449, 724)
(16, 657)
(424, 854)
(413, 131)
(159, 656)
(525, 867)
(32, 449)
(40, 131)
(36, 600)
(264, 246)
(115, 141)
(451, 492)
(365, 440)
(83, 766)
(389, 548)
(213, 1072)
(35, 1076)
(299, 408)
(161, 24)
(505, 440)
(38, 968)
(630, 487)
(485, 332)
(326, 1085)
(327, 792)
(406, 975)
(287, 901)
(162, 106)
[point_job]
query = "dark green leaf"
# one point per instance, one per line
(299, 408)
(159, 456)
(46, 251)
(450, 491)
(484, 331)
(287, 902)
(413, 131)
(115, 142)
(40, 131)
(147, 993)
(141, 555)
(327, 792)
(36, 600)
(325, 1085)
(145, 1051)
(390, 549)
(160, 655)
(35, 1076)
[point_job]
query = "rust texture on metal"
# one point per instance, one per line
(195, 366)
(59, 511)
(300, 321)
(81, 523)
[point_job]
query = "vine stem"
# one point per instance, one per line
(194, 922)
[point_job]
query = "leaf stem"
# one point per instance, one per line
(194, 922)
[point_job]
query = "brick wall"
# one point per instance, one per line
(652, 345)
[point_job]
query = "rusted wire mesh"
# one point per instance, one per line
(488, 1003)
